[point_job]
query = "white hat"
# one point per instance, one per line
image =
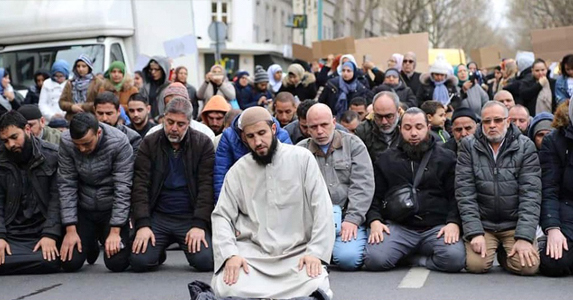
(440, 65)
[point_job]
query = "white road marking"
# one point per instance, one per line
(415, 278)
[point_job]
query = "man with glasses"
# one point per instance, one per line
(519, 115)
(498, 190)
(409, 75)
(464, 123)
(380, 133)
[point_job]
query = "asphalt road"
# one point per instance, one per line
(170, 283)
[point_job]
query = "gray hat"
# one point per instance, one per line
(542, 125)
(261, 75)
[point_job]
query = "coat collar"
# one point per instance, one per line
(335, 144)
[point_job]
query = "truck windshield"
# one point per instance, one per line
(22, 64)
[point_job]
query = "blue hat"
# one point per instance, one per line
(60, 66)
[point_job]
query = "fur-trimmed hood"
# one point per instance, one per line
(451, 79)
(307, 79)
(125, 87)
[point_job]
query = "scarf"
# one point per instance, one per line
(544, 99)
(345, 87)
(441, 91)
(80, 87)
(275, 84)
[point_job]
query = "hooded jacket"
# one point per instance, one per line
(426, 91)
(405, 93)
(49, 101)
(157, 106)
(556, 156)
(216, 103)
(231, 148)
(43, 179)
(305, 89)
(436, 201)
(499, 194)
(67, 97)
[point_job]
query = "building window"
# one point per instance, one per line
(221, 11)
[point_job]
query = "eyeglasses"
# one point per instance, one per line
(388, 117)
(408, 61)
(497, 121)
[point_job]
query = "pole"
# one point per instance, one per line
(217, 50)
(304, 28)
(319, 20)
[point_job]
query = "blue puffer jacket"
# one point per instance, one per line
(231, 148)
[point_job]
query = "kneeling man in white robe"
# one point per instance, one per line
(273, 231)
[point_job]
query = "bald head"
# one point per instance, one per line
(320, 124)
(505, 97)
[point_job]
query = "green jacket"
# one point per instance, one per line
(51, 135)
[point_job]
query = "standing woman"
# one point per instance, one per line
(80, 92)
(216, 83)
(7, 96)
(119, 83)
(181, 74)
(52, 89)
(275, 78)
(299, 83)
(537, 91)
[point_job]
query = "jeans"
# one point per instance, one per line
(402, 242)
(167, 230)
(348, 256)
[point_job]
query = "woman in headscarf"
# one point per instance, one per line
(299, 83)
(33, 95)
(275, 73)
(340, 90)
(537, 91)
(80, 92)
(52, 89)
(439, 84)
(472, 94)
(119, 83)
(216, 83)
(395, 61)
(393, 83)
(7, 96)
(181, 74)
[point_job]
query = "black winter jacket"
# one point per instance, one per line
(331, 92)
(426, 90)
(404, 93)
(437, 204)
(502, 194)
(556, 156)
(43, 179)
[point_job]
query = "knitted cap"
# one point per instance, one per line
(30, 112)
(261, 75)
(253, 115)
(393, 72)
(440, 65)
(542, 125)
(177, 89)
(464, 112)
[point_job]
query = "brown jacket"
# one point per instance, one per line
(66, 99)
(151, 170)
(127, 89)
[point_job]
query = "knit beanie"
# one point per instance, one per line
(253, 115)
(542, 125)
(392, 71)
(177, 89)
(440, 65)
(30, 112)
(464, 112)
(261, 75)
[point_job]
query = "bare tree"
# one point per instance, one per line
(360, 16)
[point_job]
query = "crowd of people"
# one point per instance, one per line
(267, 180)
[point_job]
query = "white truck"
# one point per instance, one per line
(35, 33)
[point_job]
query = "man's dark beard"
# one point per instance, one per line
(268, 158)
(416, 152)
(21, 158)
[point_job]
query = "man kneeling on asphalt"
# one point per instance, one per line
(29, 205)
(173, 192)
(418, 172)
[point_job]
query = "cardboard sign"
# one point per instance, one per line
(486, 57)
(379, 49)
(322, 49)
(302, 52)
(182, 46)
(552, 44)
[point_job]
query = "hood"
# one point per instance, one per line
(86, 60)
(163, 62)
(216, 103)
(307, 79)
(544, 116)
(60, 66)
(451, 79)
(350, 57)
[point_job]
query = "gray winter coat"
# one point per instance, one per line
(475, 98)
(499, 195)
(348, 172)
(100, 181)
(133, 137)
(157, 104)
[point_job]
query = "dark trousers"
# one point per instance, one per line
(93, 226)
(557, 268)
(24, 261)
(170, 229)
